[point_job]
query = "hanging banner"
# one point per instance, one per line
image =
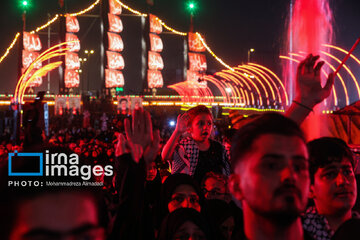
(115, 23)
(113, 78)
(72, 61)
(155, 79)
(115, 42)
(72, 78)
(72, 24)
(115, 7)
(115, 60)
(36, 81)
(155, 25)
(74, 46)
(31, 42)
(194, 77)
(28, 58)
(156, 44)
(74, 102)
(155, 61)
(197, 62)
(195, 45)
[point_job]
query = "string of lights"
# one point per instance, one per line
(130, 9)
(46, 24)
(213, 54)
(86, 9)
(10, 47)
(170, 28)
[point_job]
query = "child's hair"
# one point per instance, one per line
(195, 111)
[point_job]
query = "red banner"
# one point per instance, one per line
(31, 42)
(74, 46)
(115, 60)
(115, 7)
(197, 62)
(194, 77)
(72, 24)
(36, 82)
(155, 61)
(72, 61)
(155, 25)
(115, 23)
(115, 42)
(195, 45)
(113, 78)
(156, 43)
(72, 78)
(28, 58)
(155, 79)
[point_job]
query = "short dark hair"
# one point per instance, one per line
(195, 111)
(326, 150)
(269, 123)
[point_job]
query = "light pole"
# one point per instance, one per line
(191, 6)
(88, 53)
(249, 53)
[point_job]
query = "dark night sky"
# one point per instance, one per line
(230, 27)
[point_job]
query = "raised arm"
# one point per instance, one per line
(309, 91)
(181, 126)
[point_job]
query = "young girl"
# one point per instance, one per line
(198, 154)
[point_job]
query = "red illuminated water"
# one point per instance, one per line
(309, 25)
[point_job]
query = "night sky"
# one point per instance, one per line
(230, 28)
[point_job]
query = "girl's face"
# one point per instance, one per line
(201, 127)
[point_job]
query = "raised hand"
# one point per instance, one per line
(125, 146)
(182, 123)
(153, 149)
(309, 91)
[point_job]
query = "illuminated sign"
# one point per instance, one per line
(72, 78)
(195, 44)
(72, 24)
(72, 61)
(115, 42)
(115, 7)
(115, 23)
(155, 61)
(156, 43)
(31, 42)
(197, 62)
(28, 58)
(113, 78)
(155, 25)
(74, 46)
(155, 79)
(115, 60)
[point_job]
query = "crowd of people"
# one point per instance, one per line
(268, 182)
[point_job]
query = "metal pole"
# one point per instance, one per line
(49, 42)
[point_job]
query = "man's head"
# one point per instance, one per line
(124, 104)
(214, 186)
(333, 185)
(270, 164)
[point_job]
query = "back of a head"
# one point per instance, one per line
(180, 216)
(326, 150)
(270, 123)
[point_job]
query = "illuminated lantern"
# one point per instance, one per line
(72, 78)
(115, 7)
(31, 42)
(115, 23)
(113, 78)
(72, 61)
(197, 62)
(154, 79)
(115, 60)
(115, 42)
(156, 43)
(195, 44)
(74, 46)
(155, 61)
(155, 25)
(72, 24)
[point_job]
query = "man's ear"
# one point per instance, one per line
(234, 186)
